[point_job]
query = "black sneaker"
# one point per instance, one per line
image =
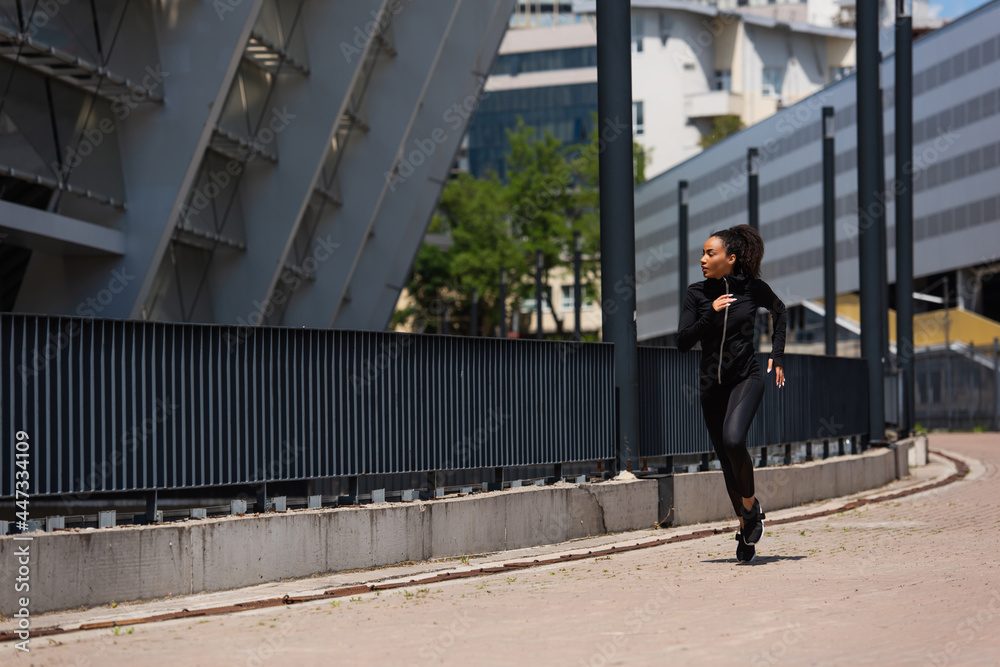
(744, 552)
(753, 524)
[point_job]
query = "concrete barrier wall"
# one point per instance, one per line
(918, 451)
(701, 496)
(94, 567)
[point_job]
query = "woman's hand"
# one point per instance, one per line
(779, 373)
(723, 302)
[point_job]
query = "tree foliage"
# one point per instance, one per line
(551, 192)
(723, 127)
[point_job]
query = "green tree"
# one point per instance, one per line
(552, 192)
(723, 127)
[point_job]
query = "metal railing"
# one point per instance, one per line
(114, 405)
(825, 398)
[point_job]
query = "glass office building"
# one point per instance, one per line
(563, 110)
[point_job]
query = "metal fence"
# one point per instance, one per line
(824, 398)
(958, 388)
(124, 406)
(133, 406)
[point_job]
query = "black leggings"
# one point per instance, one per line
(729, 411)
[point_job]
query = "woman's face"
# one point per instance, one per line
(714, 262)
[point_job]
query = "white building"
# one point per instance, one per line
(693, 63)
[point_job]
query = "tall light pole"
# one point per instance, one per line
(614, 111)
(904, 211)
(868, 218)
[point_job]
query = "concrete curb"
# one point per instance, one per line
(701, 497)
(93, 567)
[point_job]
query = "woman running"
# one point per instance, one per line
(720, 312)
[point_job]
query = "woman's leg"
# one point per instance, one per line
(714, 402)
(742, 407)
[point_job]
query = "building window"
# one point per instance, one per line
(773, 78)
(528, 305)
(666, 23)
(637, 118)
(567, 297)
(567, 300)
(638, 28)
(723, 79)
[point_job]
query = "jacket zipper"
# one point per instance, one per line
(725, 318)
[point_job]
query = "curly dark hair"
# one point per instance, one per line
(748, 246)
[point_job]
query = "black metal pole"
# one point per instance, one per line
(829, 234)
(753, 192)
(682, 241)
(577, 287)
(753, 219)
(474, 324)
(614, 107)
(868, 221)
(947, 350)
(904, 212)
(996, 384)
(883, 250)
(503, 302)
(539, 260)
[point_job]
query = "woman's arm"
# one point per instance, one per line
(692, 328)
(766, 298)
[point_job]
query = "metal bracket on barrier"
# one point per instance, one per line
(497, 483)
(351, 498)
(151, 501)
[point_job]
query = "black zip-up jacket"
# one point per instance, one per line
(728, 335)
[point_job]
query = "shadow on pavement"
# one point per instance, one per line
(759, 560)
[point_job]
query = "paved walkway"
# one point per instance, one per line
(910, 581)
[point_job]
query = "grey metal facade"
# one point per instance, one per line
(956, 170)
(255, 162)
